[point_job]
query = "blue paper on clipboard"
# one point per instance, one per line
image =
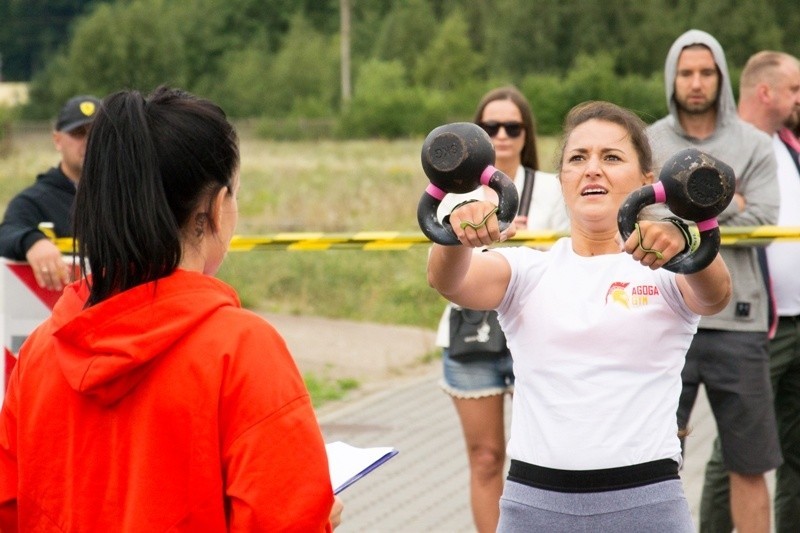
(348, 464)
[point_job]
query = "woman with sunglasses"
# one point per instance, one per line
(599, 333)
(478, 385)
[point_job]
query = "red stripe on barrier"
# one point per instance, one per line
(25, 273)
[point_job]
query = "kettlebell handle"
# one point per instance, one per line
(508, 201)
(694, 186)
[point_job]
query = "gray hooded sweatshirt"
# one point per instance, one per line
(749, 152)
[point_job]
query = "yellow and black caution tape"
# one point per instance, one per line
(757, 235)
(309, 241)
(398, 240)
(314, 241)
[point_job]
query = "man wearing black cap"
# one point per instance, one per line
(49, 200)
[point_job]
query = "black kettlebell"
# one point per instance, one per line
(694, 186)
(458, 158)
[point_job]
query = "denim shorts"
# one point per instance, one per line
(479, 377)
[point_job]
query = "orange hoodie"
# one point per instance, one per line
(164, 408)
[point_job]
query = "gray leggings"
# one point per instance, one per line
(660, 508)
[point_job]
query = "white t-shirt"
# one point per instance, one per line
(547, 212)
(598, 345)
(784, 257)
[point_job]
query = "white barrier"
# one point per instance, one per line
(23, 306)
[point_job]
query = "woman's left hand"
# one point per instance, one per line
(336, 512)
(655, 243)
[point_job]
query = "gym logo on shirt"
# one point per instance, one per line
(635, 296)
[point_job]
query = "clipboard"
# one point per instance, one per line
(347, 464)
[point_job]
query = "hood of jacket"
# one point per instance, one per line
(55, 177)
(106, 350)
(726, 104)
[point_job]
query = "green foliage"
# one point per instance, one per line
(591, 78)
(748, 27)
(450, 58)
(643, 51)
(385, 105)
(307, 66)
(365, 31)
(141, 49)
(212, 50)
(233, 24)
(644, 96)
(520, 39)
(241, 90)
(31, 31)
(406, 31)
(549, 104)
(300, 79)
(280, 58)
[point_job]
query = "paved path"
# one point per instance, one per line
(344, 348)
(424, 488)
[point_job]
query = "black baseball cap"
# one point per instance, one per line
(77, 112)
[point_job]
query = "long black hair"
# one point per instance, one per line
(149, 164)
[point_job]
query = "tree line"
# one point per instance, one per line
(413, 63)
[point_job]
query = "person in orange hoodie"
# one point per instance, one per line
(150, 400)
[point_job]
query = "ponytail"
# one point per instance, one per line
(148, 165)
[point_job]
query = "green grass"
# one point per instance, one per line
(324, 389)
(335, 186)
(327, 186)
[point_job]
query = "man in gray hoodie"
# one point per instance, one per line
(729, 352)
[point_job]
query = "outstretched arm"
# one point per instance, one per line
(464, 275)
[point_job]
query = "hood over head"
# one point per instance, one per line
(106, 350)
(726, 104)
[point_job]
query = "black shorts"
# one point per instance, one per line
(734, 368)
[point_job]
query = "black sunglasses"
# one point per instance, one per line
(513, 129)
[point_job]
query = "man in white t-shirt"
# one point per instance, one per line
(769, 98)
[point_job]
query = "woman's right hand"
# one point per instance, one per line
(476, 225)
(49, 268)
(654, 243)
